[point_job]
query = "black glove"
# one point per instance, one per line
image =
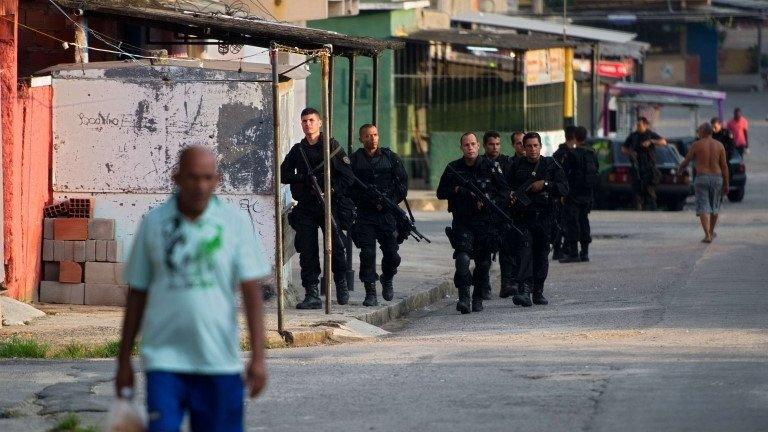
(462, 191)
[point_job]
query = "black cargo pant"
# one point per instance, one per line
(306, 222)
(509, 265)
(472, 242)
(372, 227)
(534, 252)
(577, 222)
(644, 188)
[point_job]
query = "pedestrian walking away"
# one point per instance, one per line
(188, 258)
(581, 169)
(739, 127)
(561, 157)
(472, 233)
(711, 182)
(303, 170)
(492, 147)
(535, 182)
(380, 169)
(640, 147)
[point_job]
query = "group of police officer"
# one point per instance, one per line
(515, 207)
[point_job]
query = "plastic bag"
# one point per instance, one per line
(124, 415)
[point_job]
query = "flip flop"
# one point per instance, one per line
(706, 240)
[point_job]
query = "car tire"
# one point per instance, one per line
(736, 195)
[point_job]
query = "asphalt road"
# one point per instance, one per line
(657, 332)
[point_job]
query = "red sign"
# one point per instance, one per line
(613, 69)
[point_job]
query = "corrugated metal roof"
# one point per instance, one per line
(756, 5)
(487, 38)
(541, 26)
(246, 30)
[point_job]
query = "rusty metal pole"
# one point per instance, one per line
(278, 201)
(81, 39)
(328, 237)
(375, 101)
(350, 139)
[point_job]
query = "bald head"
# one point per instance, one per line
(705, 130)
(196, 178)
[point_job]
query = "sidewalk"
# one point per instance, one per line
(423, 279)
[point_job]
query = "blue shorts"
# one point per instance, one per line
(214, 402)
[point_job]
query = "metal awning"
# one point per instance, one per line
(751, 5)
(627, 88)
(540, 26)
(246, 30)
(486, 38)
(635, 50)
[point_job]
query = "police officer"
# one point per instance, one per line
(723, 135)
(382, 169)
(581, 168)
(492, 147)
(307, 216)
(471, 232)
(560, 156)
(640, 146)
(517, 144)
(534, 182)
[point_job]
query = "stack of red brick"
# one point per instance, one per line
(81, 257)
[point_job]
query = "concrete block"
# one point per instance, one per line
(90, 250)
(48, 228)
(62, 250)
(57, 292)
(50, 271)
(114, 251)
(105, 294)
(70, 229)
(48, 250)
(70, 272)
(101, 250)
(104, 273)
(78, 251)
(101, 229)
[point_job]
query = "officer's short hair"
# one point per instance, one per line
(366, 127)
(309, 111)
(490, 134)
(643, 120)
(466, 134)
(715, 120)
(570, 132)
(580, 134)
(516, 133)
(531, 135)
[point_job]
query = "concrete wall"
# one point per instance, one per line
(117, 133)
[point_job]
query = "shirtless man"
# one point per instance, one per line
(711, 178)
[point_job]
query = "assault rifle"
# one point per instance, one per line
(487, 202)
(321, 197)
(403, 219)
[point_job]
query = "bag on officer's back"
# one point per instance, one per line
(124, 415)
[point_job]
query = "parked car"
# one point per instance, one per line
(737, 171)
(615, 189)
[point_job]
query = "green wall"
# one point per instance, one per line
(380, 25)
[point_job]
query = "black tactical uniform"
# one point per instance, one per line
(581, 169)
(507, 263)
(557, 209)
(384, 171)
(726, 138)
(308, 215)
(535, 220)
(472, 233)
(644, 172)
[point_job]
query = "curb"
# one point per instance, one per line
(306, 337)
(405, 306)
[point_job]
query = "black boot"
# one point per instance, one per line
(387, 289)
(478, 297)
(557, 251)
(342, 294)
(463, 305)
(311, 299)
(523, 296)
(584, 254)
(477, 304)
(508, 289)
(538, 294)
(370, 295)
(570, 254)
